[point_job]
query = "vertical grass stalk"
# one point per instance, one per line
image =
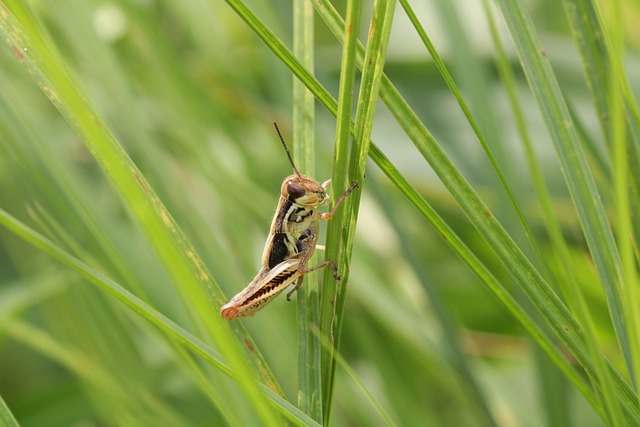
(375, 55)
(309, 348)
(339, 180)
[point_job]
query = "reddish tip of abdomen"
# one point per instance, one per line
(229, 312)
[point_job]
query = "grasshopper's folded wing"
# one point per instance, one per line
(266, 285)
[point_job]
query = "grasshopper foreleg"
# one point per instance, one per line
(326, 216)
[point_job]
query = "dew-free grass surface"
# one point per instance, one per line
(489, 256)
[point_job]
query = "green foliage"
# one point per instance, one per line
(488, 278)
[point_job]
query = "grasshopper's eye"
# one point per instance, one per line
(295, 191)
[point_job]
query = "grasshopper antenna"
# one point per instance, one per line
(284, 144)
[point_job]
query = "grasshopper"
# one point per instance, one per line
(291, 242)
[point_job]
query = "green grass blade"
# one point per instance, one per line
(577, 174)
(555, 313)
(195, 117)
(480, 96)
(530, 280)
(593, 52)
(622, 152)
(354, 378)
(163, 323)
(183, 265)
(339, 181)
(599, 65)
(584, 193)
(94, 375)
(309, 348)
(572, 291)
(538, 334)
(6, 417)
(447, 320)
(375, 55)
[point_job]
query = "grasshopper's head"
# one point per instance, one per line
(304, 191)
(301, 189)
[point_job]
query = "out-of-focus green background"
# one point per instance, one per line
(190, 93)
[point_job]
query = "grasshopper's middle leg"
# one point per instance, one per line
(302, 269)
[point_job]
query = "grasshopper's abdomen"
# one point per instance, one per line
(267, 285)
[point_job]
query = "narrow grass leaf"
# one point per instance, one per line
(538, 334)
(309, 348)
(533, 284)
(6, 416)
(354, 377)
(375, 55)
(555, 313)
(573, 293)
(600, 67)
(341, 158)
(93, 374)
(187, 270)
(163, 323)
(622, 152)
(446, 76)
(576, 171)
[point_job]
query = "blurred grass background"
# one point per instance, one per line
(190, 92)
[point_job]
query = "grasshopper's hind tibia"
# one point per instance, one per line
(309, 270)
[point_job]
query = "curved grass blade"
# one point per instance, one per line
(532, 283)
(144, 310)
(354, 377)
(446, 76)
(6, 416)
(599, 64)
(183, 265)
(93, 374)
(557, 315)
(584, 194)
(566, 276)
(576, 171)
(538, 334)
(623, 155)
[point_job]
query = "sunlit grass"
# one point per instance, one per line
(482, 284)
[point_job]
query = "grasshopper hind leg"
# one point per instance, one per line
(309, 270)
(295, 288)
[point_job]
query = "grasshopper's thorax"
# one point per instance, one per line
(300, 198)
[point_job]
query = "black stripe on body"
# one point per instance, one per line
(288, 231)
(283, 213)
(279, 251)
(273, 283)
(300, 214)
(290, 212)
